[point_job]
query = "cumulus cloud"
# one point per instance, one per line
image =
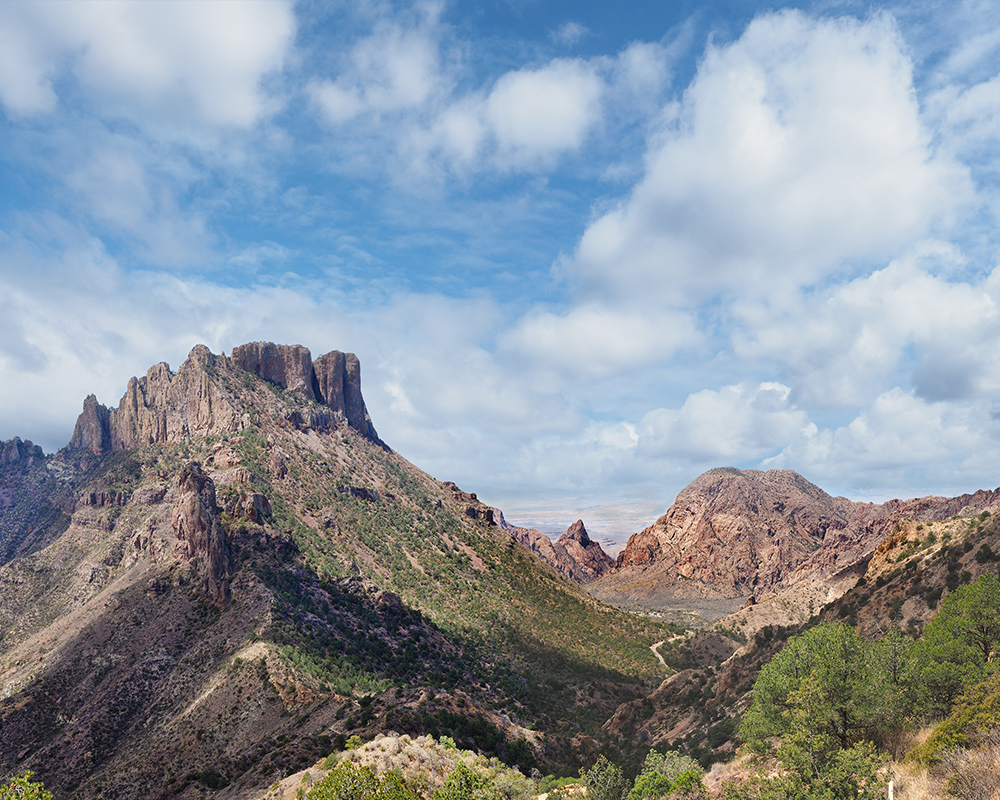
(403, 84)
(909, 322)
(159, 60)
(726, 426)
(592, 342)
(395, 68)
(526, 120)
(899, 440)
(535, 114)
(795, 148)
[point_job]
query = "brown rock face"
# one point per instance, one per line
(733, 533)
(199, 531)
(574, 555)
(93, 428)
(288, 365)
(164, 407)
(15, 451)
(338, 385)
(589, 560)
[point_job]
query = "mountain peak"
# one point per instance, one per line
(577, 532)
(206, 396)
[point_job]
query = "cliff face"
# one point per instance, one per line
(733, 533)
(199, 531)
(168, 407)
(574, 554)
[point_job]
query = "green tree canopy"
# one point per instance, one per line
(843, 688)
(960, 643)
(23, 788)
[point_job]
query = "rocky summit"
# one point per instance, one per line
(574, 554)
(221, 579)
(164, 407)
(733, 534)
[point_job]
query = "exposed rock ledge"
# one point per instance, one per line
(168, 407)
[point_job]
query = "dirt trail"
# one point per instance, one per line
(657, 652)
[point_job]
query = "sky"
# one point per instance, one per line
(585, 251)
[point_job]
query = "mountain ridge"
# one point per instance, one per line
(222, 577)
(733, 534)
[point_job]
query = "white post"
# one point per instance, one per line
(890, 789)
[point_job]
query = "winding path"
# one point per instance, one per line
(657, 652)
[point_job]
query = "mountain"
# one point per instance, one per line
(220, 579)
(900, 585)
(574, 554)
(733, 534)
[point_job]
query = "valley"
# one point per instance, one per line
(225, 579)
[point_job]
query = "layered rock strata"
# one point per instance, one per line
(734, 533)
(168, 407)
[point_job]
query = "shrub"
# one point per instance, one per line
(23, 788)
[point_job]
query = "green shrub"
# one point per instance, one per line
(974, 713)
(350, 782)
(23, 788)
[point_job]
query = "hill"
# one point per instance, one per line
(737, 534)
(227, 574)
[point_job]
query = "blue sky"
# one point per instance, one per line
(584, 250)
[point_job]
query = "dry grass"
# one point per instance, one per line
(974, 774)
(911, 782)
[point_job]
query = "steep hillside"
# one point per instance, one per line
(900, 585)
(734, 534)
(227, 573)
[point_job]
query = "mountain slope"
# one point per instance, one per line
(733, 533)
(231, 571)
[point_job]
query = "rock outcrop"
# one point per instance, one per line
(168, 407)
(93, 428)
(199, 531)
(574, 554)
(589, 560)
(733, 533)
(287, 365)
(16, 451)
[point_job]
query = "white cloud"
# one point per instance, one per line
(796, 147)
(569, 33)
(156, 60)
(592, 342)
(537, 114)
(844, 346)
(406, 85)
(728, 426)
(899, 440)
(396, 68)
(115, 188)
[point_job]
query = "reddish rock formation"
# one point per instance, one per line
(93, 428)
(733, 533)
(574, 555)
(168, 407)
(288, 365)
(15, 451)
(589, 560)
(199, 531)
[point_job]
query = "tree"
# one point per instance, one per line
(350, 782)
(23, 788)
(667, 775)
(959, 643)
(604, 781)
(851, 695)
